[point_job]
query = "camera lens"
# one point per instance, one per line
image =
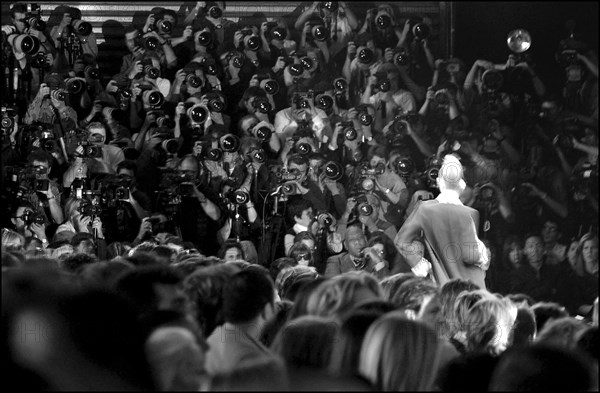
(214, 154)
(198, 114)
(340, 85)
(7, 122)
(215, 12)
(264, 133)
(216, 105)
(279, 33)
(303, 148)
(324, 102)
(155, 98)
(205, 38)
(152, 72)
(194, 80)
(296, 69)
(288, 188)
(384, 85)
(333, 171)
(366, 56)
(259, 156)
(307, 63)
(241, 197)
(151, 43)
(238, 62)
(365, 119)
(164, 26)
(383, 21)
(271, 87)
(253, 43)
(350, 134)
(364, 209)
(230, 143)
(320, 33)
(420, 31)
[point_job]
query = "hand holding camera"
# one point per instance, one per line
(149, 22)
(39, 230)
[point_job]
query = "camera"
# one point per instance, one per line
(333, 170)
(250, 41)
(75, 85)
(383, 20)
(213, 10)
(349, 131)
(24, 43)
(171, 146)
(419, 29)
(262, 104)
(197, 113)
(302, 148)
(269, 85)
(150, 43)
(274, 32)
(263, 133)
(403, 166)
(296, 70)
(441, 98)
(258, 156)
(325, 219)
(363, 116)
(88, 208)
(8, 119)
(153, 98)
(331, 6)
(284, 175)
(367, 175)
(237, 60)
(318, 32)
(300, 99)
(205, 38)
(340, 86)
(240, 197)
(229, 143)
(194, 80)
(40, 61)
(567, 57)
(398, 131)
(31, 217)
(208, 152)
(90, 150)
(363, 208)
(215, 105)
(401, 57)
(382, 83)
(366, 56)
(324, 102)
(161, 26)
(81, 28)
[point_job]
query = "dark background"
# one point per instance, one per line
(481, 29)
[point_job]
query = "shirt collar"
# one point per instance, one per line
(449, 197)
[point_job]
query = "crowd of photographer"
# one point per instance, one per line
(303, 149)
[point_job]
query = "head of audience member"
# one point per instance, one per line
(587, 253)
(512, 252)
(448, 294)
(488, 325)
(300, 212)
(350, 335)
(204, 288)
(413, 295)
(534, 251)
(176, 359)
(248, 297)
(231, 251)
(355, 240)
(150, 289)
(399, 354)
(541, 368)
(306, 342)
(340, 294)
(561, 332)
(302, 254)
(546, 312)
(524, 331)
(12, 240)
(390, 284)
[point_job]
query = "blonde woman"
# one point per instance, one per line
(488, 324)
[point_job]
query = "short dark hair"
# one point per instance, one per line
(545, 311)
(246, 294)
(129, 165)
(297, 159)
(74, 262)
(230, 244)
(17, 7)
(411, 293)
(137, 285)
(131, 28)
(296, 207)
(40, 155)
(168, 12)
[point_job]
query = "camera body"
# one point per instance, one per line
(365, 179)
(382, 84)
(33, 217)
(363, 208)
(91, 150)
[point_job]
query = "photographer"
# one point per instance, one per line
(28, 222)
(49, 101)
(104, 160)
(41, 161)
(20, 25)
(200, 216)
(73, 29)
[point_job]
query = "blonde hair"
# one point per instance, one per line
(399, 354)
(338, 295)
(12, 240)
(488, 325)
(580, 262)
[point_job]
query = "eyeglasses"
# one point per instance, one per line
(305, 257)
(25, 214)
